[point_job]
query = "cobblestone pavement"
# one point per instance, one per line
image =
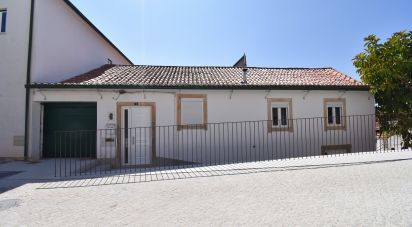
(369, 189)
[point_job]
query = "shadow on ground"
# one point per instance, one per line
(211, 171)
(45, 179)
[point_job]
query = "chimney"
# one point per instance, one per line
(242, 63)
(244, 75)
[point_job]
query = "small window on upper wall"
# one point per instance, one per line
(280, 115)
(3, 20)
(334, 113)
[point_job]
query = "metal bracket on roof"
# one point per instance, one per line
(306, 94)
(343, 93)
(144, 94)
(42, 94)
(101, 96)
(231, 94)
(117, 97)
(121, 92)
(267, 94)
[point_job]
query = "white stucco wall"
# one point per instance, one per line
(240, 106)
(65, 45)
(13, 64)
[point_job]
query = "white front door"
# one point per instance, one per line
(136, 135)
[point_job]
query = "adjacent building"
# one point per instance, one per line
(42, 41)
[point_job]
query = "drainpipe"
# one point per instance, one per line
(28, 80)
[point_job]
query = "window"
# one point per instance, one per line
(3, 20)
(280, 115)
(191, 111)
(334, 114)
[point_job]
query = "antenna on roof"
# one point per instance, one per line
(109, 61)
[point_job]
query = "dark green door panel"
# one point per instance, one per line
(69, 130)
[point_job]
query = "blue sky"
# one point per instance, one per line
(272, 33)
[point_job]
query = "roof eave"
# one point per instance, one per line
(203, 87)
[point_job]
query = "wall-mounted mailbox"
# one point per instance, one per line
(108, 140)
(110, 125)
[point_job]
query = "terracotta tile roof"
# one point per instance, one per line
(210, 76)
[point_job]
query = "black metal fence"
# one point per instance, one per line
(134, 150)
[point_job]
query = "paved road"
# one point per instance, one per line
(375, 193)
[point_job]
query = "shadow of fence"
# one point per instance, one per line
(317, 162)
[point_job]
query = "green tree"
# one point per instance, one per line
(387, 68)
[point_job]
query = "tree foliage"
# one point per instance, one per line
(387, 68)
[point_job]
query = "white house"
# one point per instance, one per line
(42, 41)
(140, 114)
(144, 113)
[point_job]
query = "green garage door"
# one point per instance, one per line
(69, 130)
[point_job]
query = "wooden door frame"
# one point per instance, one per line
(119, 106)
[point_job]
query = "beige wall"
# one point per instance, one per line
(13, 65)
